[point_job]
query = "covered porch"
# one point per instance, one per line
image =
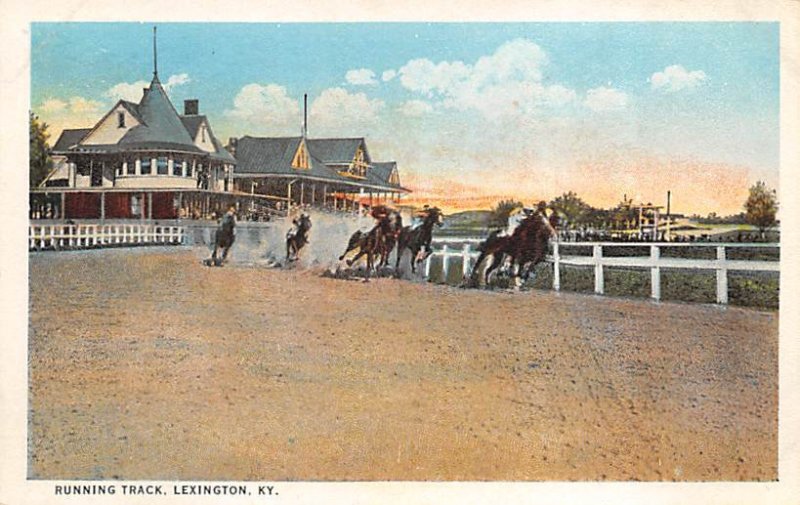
(304, 191)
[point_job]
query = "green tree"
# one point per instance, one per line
(501, 211)
(40, 161)
(575, 210)
(761, 207)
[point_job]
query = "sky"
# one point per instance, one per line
(471, 112)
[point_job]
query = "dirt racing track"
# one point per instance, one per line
(144, 364)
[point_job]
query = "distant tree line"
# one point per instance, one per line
(760, 210)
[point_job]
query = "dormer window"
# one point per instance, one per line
(120, 120)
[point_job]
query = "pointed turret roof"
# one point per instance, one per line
(161, 122)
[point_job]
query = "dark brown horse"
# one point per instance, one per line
(379, 241)
(525, 248)
(297, 237)
(418, 240)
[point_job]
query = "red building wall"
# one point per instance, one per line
(118, 206)
(82, 205)
(164, 205)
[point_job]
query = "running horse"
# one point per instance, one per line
(526, 248)
(297, 237)
(418, 240)
(224, 236)
(379, 241)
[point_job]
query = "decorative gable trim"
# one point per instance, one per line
(301, 159)
(109, 130)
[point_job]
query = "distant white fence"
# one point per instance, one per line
(463, 250)
(84, 236)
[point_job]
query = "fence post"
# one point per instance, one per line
(465, 260)
(445, 263)
(722, 276)
(597, 254)
(556, 267)
(655, 273)
(427, 266)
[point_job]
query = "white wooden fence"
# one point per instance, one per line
(462, 248)
(83, 236)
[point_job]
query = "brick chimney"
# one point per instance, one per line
(191, 107)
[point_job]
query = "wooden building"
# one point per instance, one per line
(336, 173)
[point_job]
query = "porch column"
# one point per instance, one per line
(143, 209)
(360, 200)
(302, 192)
(313, 193)
(102, 206)
(63, 212)
(289, 195)
(150, 206)
(324, 195)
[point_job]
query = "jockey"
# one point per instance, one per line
(541, 210)
(296, 225)
(228, 222)
(515, 217)
(419, 217)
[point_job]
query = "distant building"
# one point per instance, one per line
(146, 161)
(332, 172)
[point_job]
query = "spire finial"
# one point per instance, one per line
(155, 54)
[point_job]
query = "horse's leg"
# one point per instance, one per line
(414, 254)
(369, 266)
(474, 276)
(497, 259)
(355, 258)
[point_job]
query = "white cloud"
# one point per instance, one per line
(75, 112)
(361, 77)
(176, 80)
(675, 78)
(337, 112)
(388, 75)
(605, 99)
(133, 91)
(415, 108)
(52, 105)
(423, 75)
(80, 105)
(267, 109)
(507, 82)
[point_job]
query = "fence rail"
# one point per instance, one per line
(447, 248)
(85, 236)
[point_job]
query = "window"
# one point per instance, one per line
(136, 206)
(146, 166)
(120, 120)
(162, 164)
(177, 166)
(203, 133)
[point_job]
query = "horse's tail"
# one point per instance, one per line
(354, 241)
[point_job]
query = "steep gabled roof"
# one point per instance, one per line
(192, 124)
(69, 138)
(260, 155)
(274, 155)
(381, 171)
(133, 108)
(335, 150)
